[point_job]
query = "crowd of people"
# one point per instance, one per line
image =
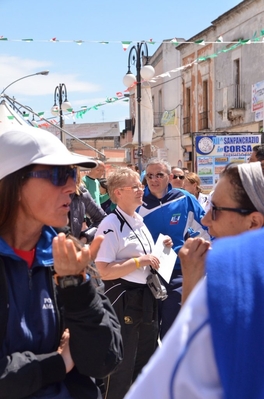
(63, 221)
(217, 338)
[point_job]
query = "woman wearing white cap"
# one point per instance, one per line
(52, 336)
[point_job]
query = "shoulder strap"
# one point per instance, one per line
(3, 302)
(119, 217)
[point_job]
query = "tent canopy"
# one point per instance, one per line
(9, 118)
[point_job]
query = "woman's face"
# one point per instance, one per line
(42, 203)
(177, 178)
(130, 193)
(226, 223)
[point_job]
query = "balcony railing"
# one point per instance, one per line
(186, 125)
(203, 120)
(238, 103)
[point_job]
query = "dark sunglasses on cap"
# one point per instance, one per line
(178, 177)
(58, 175)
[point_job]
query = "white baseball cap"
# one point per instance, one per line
(28, 145)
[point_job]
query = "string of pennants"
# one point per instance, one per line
(121, 95)
(126, 43)
(72, 113)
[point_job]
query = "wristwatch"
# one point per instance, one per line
(69, 281)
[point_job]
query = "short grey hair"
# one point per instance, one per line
(157, 161)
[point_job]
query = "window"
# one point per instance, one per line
(203, 116)
(187, 117)
(160, 101)
(237, 84)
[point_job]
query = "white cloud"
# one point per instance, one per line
(13, 68)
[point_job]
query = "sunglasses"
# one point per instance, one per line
(222, 208)
(58, 175)
(156, 176)
(134, 188)
(178, 177)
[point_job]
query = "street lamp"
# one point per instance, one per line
(60, 94)
(25, 114)
(24, 77)
(146, 72)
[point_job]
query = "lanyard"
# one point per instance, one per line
(131, 228)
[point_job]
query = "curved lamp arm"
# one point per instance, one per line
(24, 77)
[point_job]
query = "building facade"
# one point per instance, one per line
(216, 85)
(223, 66)
(167, 104)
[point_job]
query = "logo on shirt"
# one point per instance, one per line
(175, 218)
(132, 237)
(47, 304)
(108, 231)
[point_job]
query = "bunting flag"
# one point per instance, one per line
(120, 95)
(151, 41)
(125, 45)
(201, 42)
(175, 41)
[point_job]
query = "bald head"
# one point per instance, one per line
(98, 171)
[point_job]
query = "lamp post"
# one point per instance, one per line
(60, 95)
(25, 114)
(136, 56)
(24, 77)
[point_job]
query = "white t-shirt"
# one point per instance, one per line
(184, 367)
(122, 245)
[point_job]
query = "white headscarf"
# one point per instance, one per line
(253, 182)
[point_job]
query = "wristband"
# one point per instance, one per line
(137, 263)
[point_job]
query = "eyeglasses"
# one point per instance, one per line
(58, 175)
(156, 176)
(178, 177)
(222, 208)
(134, 188)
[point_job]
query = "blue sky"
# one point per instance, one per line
(92, 72)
